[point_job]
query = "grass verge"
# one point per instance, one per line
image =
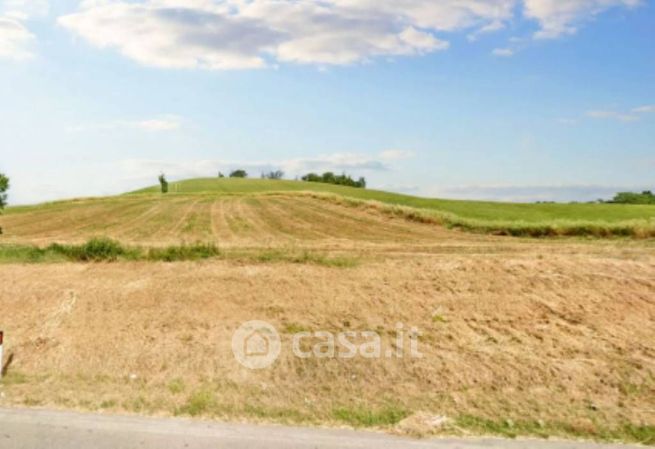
(626, 433)
(107, 250)
(363, 417)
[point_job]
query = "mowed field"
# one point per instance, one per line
(228, 221)
(522, 336)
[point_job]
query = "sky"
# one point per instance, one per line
(512, 100)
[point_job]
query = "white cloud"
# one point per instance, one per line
(644, 109)
(166, 123)
(15, 39)
(503, 52)
(158, 124)
(396, 155)
(614, 115)
(248, 34)
(491, 27)
(562, 17)
(352, 163)
(238, 34)
(25, 9)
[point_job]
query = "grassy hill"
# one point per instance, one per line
(476, 210)
(237, 212)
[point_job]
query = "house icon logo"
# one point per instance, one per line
(256, 345)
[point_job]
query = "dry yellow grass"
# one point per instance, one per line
(553, 332)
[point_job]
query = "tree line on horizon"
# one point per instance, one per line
(325, 178)
(645, 197)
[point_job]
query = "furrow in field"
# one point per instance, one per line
(198, 223)
(240, 228)
(256, 206)
(119, 227)
(352, 223)
(156, 225)
(73, 223)
(320, 227)
(220, 226)
(175, 230)
(337, 225)
(278, 215)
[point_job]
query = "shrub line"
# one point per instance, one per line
(102, 249)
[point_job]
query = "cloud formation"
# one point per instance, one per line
(352, 163)
(156, 124)
(25, 9)
(247, 34)
(562, 17)
(234, 34)
(503, 52)
(633, 115)
(15, 39)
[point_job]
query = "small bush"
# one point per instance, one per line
(95, 250)
(239, 174)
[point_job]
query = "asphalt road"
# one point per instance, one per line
(42, 429)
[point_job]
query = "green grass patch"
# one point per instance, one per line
(284, 415)
(198, 251)
(176, 386)
(365, 417)
(95, 250)
(28, 254)
(14, 378)
(626, 433)
(295, 328)
(104, 250)
(201, 402)
(304, 257)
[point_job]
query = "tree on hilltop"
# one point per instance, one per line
(163, 183)
(4, 186)
(239, 174)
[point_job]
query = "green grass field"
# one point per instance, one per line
(475, 210)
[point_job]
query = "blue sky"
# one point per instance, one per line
(517, 100)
